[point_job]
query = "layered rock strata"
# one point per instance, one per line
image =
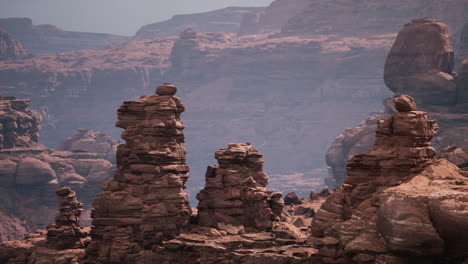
(30, 173)
(66, 232)
(144, 203)
(19, 125)
(398, 204)
(85, 140)
(10, 48)
(235, 192)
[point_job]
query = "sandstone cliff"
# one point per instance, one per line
(222, 20)
(10, 48)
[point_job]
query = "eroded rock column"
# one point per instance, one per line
(145, 203)
(235, 192)
(66, 232)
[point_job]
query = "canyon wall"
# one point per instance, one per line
(10, 48)
(222, 20)
(49, 38)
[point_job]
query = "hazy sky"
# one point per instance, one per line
(122, 17)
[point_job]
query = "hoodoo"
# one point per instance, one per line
(144, 203)
(398, 203)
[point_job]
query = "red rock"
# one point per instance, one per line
(91, 141)
(9, 48)
(408, 69)
(235, 192)
(149, 205)
(291, 199)
(392, 199)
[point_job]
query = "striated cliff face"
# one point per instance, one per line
(273, 17)
(10, 48)
(48, 38)
(222, 20)
(367, 17)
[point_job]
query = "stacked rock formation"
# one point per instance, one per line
(235, 192)
(10, 48)
(145, 203)
(91, 141)
(421, 62)
(398, 204)
(66, 232)
(19, 125)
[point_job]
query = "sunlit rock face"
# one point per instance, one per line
(395, 198)
(145, 202)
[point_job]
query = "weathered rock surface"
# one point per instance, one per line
(367, 17)
(394, 199)
(222, 20)
(19, 124)
(48, 38)
(66, 232)
(235, 192)
(421, 63)
(145, 203)
(10, 48)
(408, 70)
(29, 172)
(272, 18)
(91, 141)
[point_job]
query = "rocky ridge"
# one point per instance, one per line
(49, 38)
(222, 20)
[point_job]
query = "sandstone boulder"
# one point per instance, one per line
(421, 63)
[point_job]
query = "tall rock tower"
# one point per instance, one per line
(145, 203)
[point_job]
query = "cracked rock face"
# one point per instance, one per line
(395, 198)
(235, 192)
(145, 203)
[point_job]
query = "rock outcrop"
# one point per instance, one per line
(10, 48)
(29, 172)
(421, 63)
(235, 192)
(395, 198)
(66, 232)
(19, 124)
(91, 141)
(48, 38)
(145, 203)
